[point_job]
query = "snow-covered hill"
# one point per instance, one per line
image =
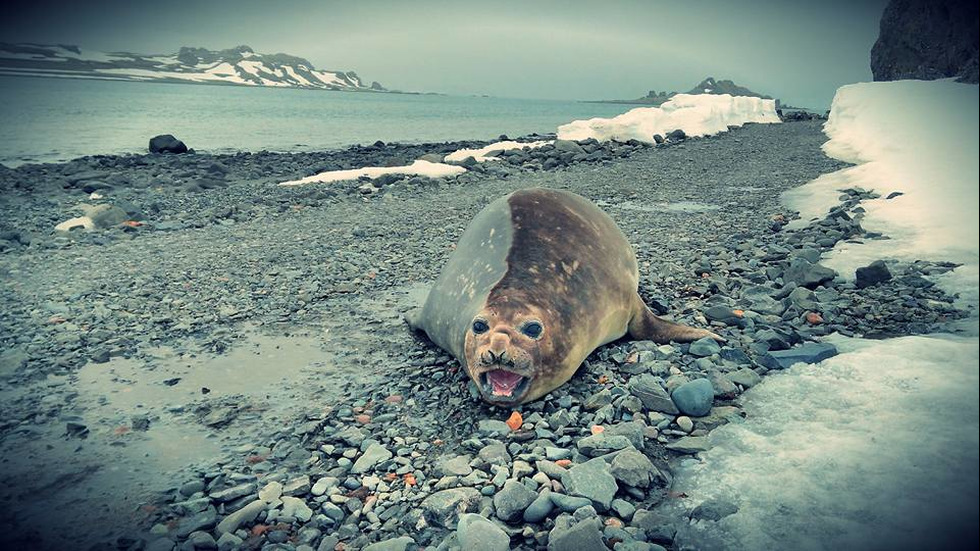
(236, 66)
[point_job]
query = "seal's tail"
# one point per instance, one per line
(645, 325)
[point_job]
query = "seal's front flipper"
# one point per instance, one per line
(414, 319)
(645, 325)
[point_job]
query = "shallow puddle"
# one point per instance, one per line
(141, 430)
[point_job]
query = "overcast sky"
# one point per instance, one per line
(795, 50)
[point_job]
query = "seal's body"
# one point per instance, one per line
(538, 281)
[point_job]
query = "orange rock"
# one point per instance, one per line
(739, 313)
(603, 379)
(260, 529)
(813, 318)
(362, 419)
(394, 399)
(563, 462)
(614, 522)
(409, 479)
(132, 223)
(597, 429)
(515, 420)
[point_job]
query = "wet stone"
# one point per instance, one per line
(476, 533)
(583, 536)
(694, 398)
(633, 468)
(647, 388)
(592, 480)
(540, 508)
(511, 501)
(714, 510)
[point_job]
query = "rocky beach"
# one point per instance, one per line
(222, 362)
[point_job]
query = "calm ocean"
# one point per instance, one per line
(52, 119)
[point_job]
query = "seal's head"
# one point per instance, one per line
(505, 346)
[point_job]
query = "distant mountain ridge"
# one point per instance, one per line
(240, 66)
(707, 86)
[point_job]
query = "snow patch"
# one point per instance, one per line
(417, 168)
(696, 115)
(874, 448)
(483, 154)
(916, 137)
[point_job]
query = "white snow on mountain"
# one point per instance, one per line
(696, 115)
(876, 448)
(238, 66)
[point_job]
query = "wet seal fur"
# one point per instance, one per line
(539, 279)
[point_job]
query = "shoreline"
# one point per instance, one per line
(242, 229)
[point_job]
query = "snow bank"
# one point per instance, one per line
(914, 137)
(418, 168)
(876, 448)
(483, 154)
(873, 449)
(696, 115)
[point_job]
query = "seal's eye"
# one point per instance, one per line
(532, 329)
(480, 326)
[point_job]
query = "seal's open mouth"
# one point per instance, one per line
(503, 385)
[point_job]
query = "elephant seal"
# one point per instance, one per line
(538, 280)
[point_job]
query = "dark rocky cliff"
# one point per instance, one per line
(927, 39)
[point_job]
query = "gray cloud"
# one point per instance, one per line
(799, 51)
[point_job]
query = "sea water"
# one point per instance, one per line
(56, 119)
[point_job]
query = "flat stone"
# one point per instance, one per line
(805, 274)
(586, 535)
(444, 507)
(592, 480)
(570, 504)
(808, 353)
(492, 427)
(200, 521)
(374, 454)
(242, 516)
(297, 486)
(495, 454)
(455, 466)
(233, 492)
(658, 527)
(296, 508)
(476, 533)
(745, 376)
(633, 468)
(510, 502)
(632, 431)
(647, 388)
(623, 509)
(704, 347)
(600, 444)
(714, 509)
(694, 398)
